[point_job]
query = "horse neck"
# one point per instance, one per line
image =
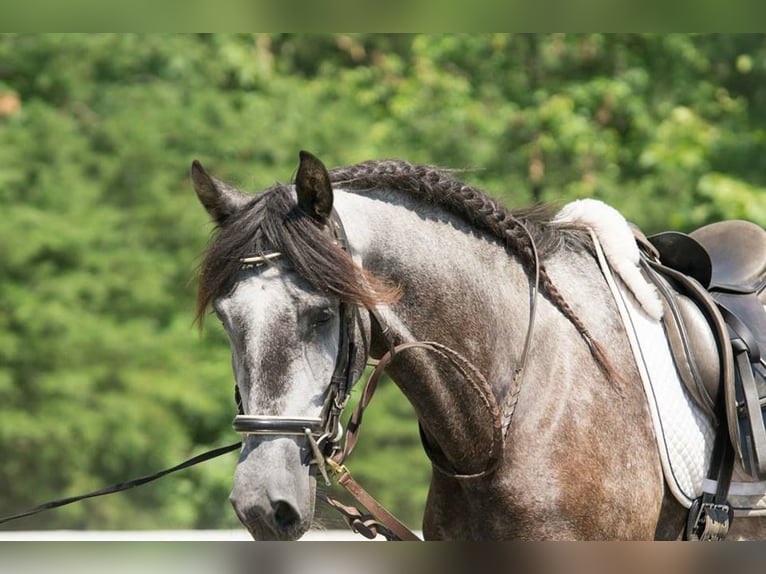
(459, 288)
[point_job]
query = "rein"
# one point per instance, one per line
(126, 485)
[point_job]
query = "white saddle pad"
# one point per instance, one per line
(684, 434)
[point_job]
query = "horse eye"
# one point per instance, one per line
(323, 316)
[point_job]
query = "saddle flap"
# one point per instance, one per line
(695, 345)
(685, 254)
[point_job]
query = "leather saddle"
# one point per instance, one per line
(713, 285)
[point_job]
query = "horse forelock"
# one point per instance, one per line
(273, 222)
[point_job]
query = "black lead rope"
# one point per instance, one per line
(124, 485)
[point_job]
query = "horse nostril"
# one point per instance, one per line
(285, 515)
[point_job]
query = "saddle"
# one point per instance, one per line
(713, 286)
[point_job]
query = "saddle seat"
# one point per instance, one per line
(716, 324)
(723, 256)
(737, 252)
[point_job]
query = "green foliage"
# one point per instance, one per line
(102, 373)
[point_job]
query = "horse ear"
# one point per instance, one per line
(220, 200)
(312, 184)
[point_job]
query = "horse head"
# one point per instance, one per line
(296, 348)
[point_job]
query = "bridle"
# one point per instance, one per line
(325, 432)
(322, 433)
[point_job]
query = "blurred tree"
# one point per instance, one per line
(102, 374)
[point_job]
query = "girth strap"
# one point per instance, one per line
(750, 404)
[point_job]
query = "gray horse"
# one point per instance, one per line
(423, 256)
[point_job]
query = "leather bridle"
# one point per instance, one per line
(325, 432)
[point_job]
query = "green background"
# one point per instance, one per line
(103, 375)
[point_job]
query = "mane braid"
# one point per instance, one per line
(434, 185)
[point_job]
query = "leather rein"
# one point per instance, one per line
(324, 434)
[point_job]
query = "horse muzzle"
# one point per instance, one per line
(273, 494)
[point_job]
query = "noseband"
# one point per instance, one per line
(323, 433)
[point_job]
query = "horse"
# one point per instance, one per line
(310, 279)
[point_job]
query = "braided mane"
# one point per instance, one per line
(437, 186)
(273, 222)
(524, 231)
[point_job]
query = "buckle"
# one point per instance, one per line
(708, 521)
